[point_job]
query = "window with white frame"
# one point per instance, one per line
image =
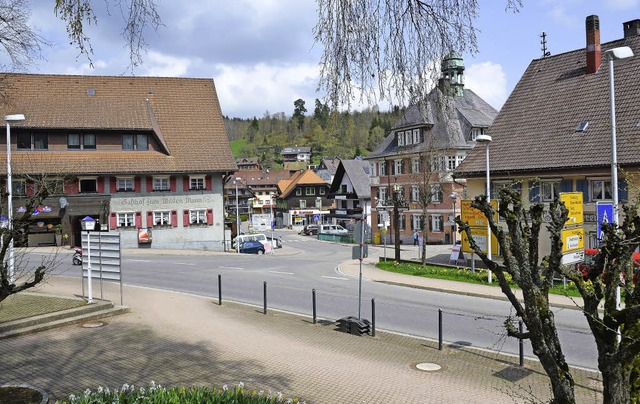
(303, 204)
(416, 136)
(436, 194)
(459, 159)
(198, 216)
(298, 191)
(161, 218)
(399, 166)
(160, 183)
(451, 163)
(436, 223)
(415, 193)
(310, 191)
(382, 195)
(400, 138)
(124, 184)
(196, 183)
(407, 138)
(415, 165)
(600, 190)
(403, 222)
(549, 190)
(383, 168)
(322, 191)
(417, 222)
(319, 203)
(125, 219)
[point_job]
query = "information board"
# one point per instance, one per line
(573, 202)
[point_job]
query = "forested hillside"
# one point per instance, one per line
(330, 134)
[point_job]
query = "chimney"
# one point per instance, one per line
(593, 44)
(631, 28)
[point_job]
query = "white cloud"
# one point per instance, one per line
(161, 65)
(489, 81)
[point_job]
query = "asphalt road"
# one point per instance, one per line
(305, 263)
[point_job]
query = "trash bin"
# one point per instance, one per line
(376, 238)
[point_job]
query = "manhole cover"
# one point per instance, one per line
(428, 367)
(93, 324)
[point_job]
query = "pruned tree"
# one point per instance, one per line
(425, 189)
(387, 49)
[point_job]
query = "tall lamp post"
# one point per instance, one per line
(486, 139)
(235, 182)
(88, 224)
(399, 205)
(7, 120)
(454, 198)
(623, 52)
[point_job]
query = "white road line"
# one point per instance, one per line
(183, 263)
(230, 268)
(282, 273)
(129, 259)
(335, 277)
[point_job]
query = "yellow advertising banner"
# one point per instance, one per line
(573, 202)
(573, 239)
(479, 234)
(473, 216)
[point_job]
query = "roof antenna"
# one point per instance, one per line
(543, 41)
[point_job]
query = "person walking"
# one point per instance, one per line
(415, 237)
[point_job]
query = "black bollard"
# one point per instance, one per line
(265, 298)
(219, 290)
(373, 317)
(313, 299)
(521, 343)
(440, 329)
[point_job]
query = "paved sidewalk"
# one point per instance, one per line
(180, 339)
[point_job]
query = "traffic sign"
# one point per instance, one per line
(604, 212)
(479, 235)
(473, 216)
(573, 202)
(573, 239)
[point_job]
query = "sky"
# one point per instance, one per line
(262, 56)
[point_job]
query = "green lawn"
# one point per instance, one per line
(462, 274)
(237, 146)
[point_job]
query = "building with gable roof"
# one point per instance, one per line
(434, 135)
(554, 132)
(351, 190)
(131, 152)
(303, 199)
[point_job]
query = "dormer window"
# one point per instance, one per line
(416, 136)
(400, 138)
(407, 138)
(475, 132)
(135, 142)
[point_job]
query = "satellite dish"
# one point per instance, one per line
(63, 202)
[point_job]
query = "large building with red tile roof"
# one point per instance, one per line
(131, 152)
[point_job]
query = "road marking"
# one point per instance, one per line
(282, 273)
(183, 263)
(335, 277)
(230, 268)
(129, 259)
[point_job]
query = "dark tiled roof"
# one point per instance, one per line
(183, 113)
(450, 119)
(295, 150)
(359, 174)
(536, 129)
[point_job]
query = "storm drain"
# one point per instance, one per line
(428, 367)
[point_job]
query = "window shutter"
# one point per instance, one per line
(138, 219)
(112, 185)
(566, 186)
(149, 183)
(172, 183)
(185, 183)
(583, 186)
(208, 183)
(113, 220)
(622, 190)
(100, 184)
(185, 218)
(149, 219)
(174, 218)
(136, 184)
(534, 192)
(430, 223)
(209, 217)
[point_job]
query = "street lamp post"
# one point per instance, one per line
(273, 221)
(88, 224)
(486, 139)
(454, 197)
(396, 219)
(623, 52)
(235, 182)
(7, 119)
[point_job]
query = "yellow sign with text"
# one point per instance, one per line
(479, 235)
(573, 239)
(473, 216)
(573, 202)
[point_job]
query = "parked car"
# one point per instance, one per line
(252, 247)
(261, 237)
(310, 230)
(275, 242)
(335, 229)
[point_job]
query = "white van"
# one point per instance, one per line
(332, 229)
(253, 237)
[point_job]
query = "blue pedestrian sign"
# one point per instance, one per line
(604, 212)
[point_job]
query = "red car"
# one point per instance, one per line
(589, 259)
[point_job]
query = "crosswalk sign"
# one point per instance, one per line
(604, 211)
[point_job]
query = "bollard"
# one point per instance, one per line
(521, 343)
(265, 298)
(439, 329)
(373, 317)
(313, 300)
(219, 290)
